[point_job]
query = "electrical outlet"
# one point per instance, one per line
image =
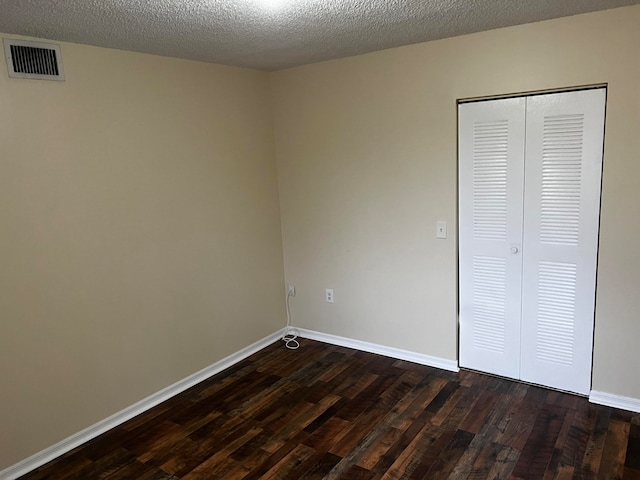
(329, 295)
(291, 290)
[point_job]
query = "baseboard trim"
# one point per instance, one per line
(69, 443)
(398, 353)
(615, 401)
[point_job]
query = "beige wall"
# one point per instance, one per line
(139, 235)
(140, 228)
(366, 152)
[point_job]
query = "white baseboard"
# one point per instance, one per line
(615, 401)
(601, 398)
(68, 444)
(398, 353)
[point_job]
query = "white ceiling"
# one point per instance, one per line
(272, 34)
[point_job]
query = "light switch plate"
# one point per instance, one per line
(441, 229)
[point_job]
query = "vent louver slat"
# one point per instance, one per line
(556, 312)
(490, 141)
(489, 300)
(33, 60)
(561, 179)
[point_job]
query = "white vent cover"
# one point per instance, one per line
(26, 59)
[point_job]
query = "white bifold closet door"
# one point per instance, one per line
(491, 173)
(529, 191)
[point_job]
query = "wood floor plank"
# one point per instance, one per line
(450, 456)
(105, 466)
(329, 434)
(409, 459)
(334, 370)
(163, 449)
(358, 473)
(505, 463)
(369, 427)
(321, 468)
(299, 422)
(431, 454)
(465, 462)
(446, 409)
(353, 439)
(134, 469)
(577, 437)
(373, 452)
(565, 472)
(632, 458)
(416, 403)
(388, 459)
(537, 452)
(554, 463)
(63, 467)
(274, 458)
(365, 398)
(209, 467)
(182, 458)
(593, 453)
(288, 465)
(147, 416)
(631, 474)
(614, 450)
(484, 406)
(495, 461)
(152, 436)
(329, 412)
(517, 423)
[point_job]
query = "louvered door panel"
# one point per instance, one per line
(491, 143)
(561, 217)
(489, 303)
(556, 312)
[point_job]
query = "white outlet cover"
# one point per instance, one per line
(329, 295)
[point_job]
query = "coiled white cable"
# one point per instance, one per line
(290, 334)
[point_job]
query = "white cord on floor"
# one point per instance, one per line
(290, 333)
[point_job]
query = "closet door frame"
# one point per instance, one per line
(584, 390)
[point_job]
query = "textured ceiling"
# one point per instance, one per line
(272, 34)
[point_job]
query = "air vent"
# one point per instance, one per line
(34, 60)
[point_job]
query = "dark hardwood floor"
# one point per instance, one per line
(329, 412)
